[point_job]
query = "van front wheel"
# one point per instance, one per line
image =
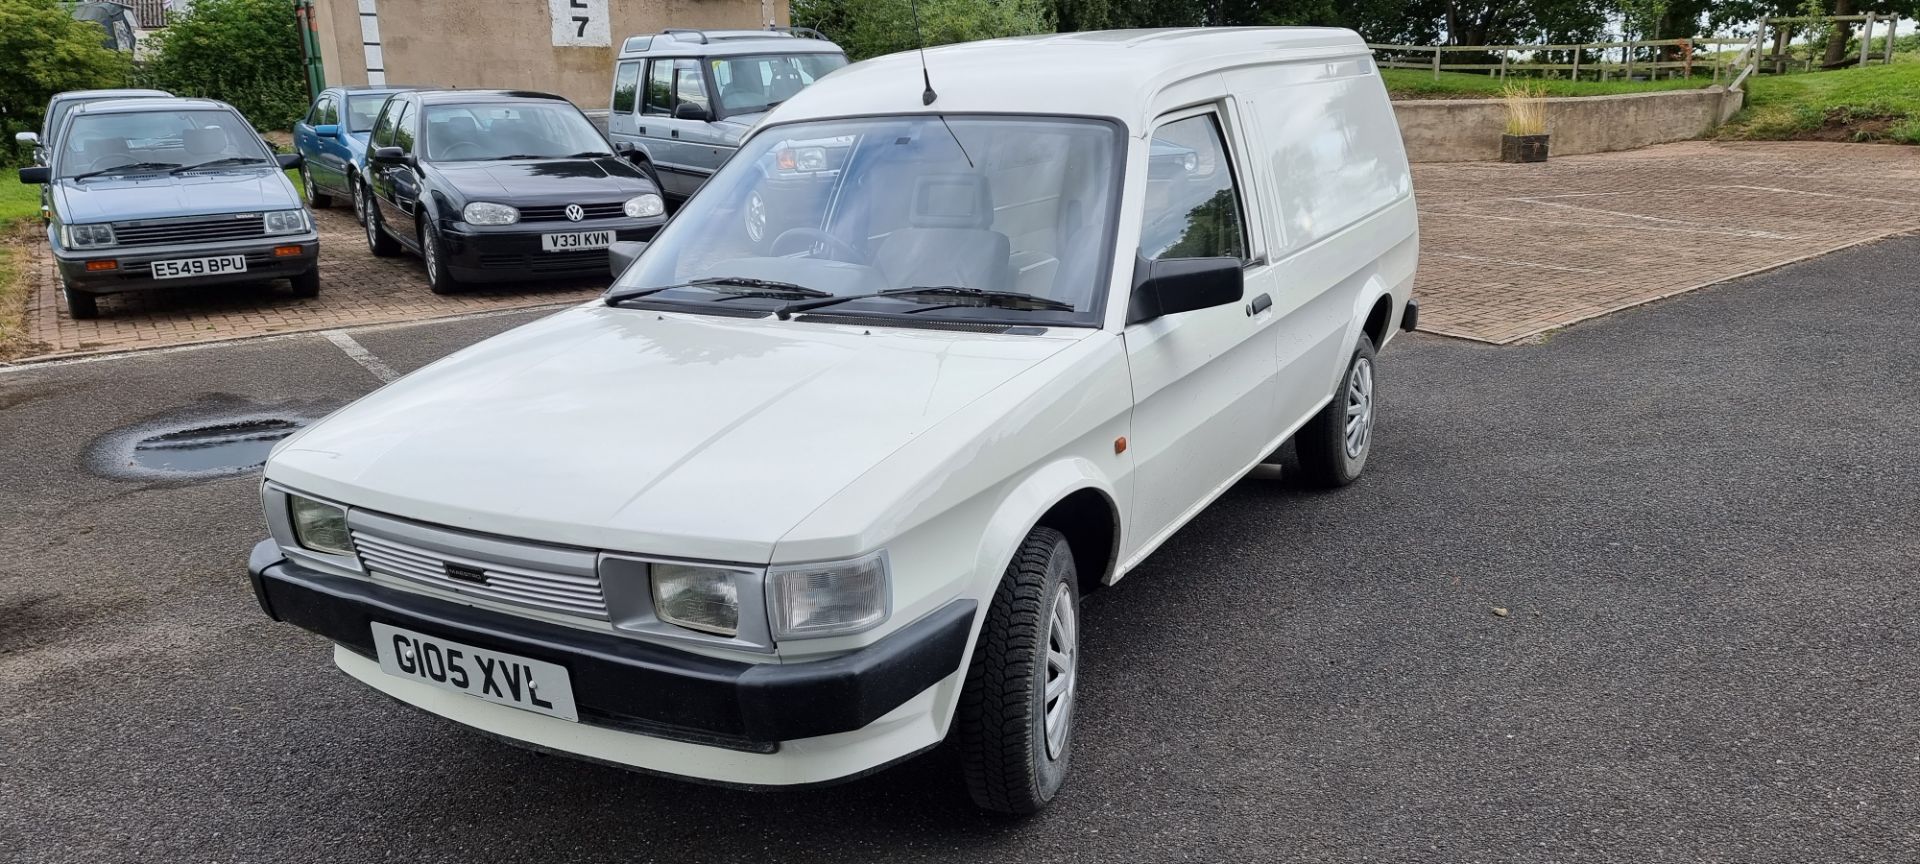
(1333, 446)
(1015, 721)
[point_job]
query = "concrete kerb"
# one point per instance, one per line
(1468, 130)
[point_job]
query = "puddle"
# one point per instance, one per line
(221, 447)
(213, 439)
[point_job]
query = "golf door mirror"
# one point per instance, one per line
(387, 154)
(327, 130)
(1174, 285)
(625, 149)
(34, 176)
(622, 254)
(692, 111)
(290, 160)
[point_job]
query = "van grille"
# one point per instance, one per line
(558, 213)
(556, 592)
(192, 229)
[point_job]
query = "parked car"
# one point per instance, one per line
(488, 186)
(61, 103)
(790, 517)
(685, 98)
(152, 193)
(332, 138)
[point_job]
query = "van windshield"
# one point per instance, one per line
(752, 84)
(156, 140)
(1007, 205)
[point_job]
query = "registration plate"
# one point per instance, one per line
(522, 682)
(575, 241)
(180, 268)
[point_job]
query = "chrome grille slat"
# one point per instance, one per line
(196, 229)
(566, 593)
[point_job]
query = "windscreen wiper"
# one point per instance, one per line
(738, 286)
(946, 295)
(229, 160)
(589, 154)
(131, 166)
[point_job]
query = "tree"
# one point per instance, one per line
(243, 52)
(869, 28)
(47, 52)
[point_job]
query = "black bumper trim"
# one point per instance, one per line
(1410, 318)
(638, 686)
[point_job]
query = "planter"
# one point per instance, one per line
(1523, 148)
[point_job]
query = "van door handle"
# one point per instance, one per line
(676, 133)
(1260, 304)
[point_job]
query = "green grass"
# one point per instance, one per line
(1419, 84)
(17, 200)
(19, 207)
(1873, 103)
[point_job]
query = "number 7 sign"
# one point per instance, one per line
(580, 23)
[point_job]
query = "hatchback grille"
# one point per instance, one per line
(558, 213)
(550, 262)
(555, 592)
(194, 229)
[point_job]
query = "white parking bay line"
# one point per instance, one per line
(361, 355)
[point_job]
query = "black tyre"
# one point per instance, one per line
(381, 245)
(439, 278)
(315, 198)
(307, 284)
(1015, 722)
(1333, 446)
(81, 304)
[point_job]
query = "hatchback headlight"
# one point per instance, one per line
(86, 236)
(319, 526)
(489, 213)
(286, 221)
(697, 598)
(642, 206)
(829, 599)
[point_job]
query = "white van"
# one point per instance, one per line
(786, 514)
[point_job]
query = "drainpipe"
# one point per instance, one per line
(310, 48)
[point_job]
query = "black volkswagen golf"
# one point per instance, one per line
(491, 186)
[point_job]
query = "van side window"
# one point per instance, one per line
(689, 85)
(659, 95)
(1192, 209)
(626, 87)
(403, 133)
(383, 130)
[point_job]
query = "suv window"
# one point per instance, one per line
(383, 130)
(403, 133)
(688, 85)
(659, 96)
(749, 85)
(1192, 209)
(626, 87)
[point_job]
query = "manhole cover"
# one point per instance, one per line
(221, 447)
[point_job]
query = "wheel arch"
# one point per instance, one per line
(1070, 496)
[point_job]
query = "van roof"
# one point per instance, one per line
(727, 43)
(1114, 73)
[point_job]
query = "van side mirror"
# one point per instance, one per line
(622, 254)
(692, 111)
(327, 130)
(1174, 285)
(290, 160)
(35, 175)
(387, 154)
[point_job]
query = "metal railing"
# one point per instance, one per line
(1603, 60)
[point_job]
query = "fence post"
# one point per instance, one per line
(1576, 64)
(1866, 40)
(1893, 24)
(1503, 64)
(1436, 62)
(1627, 49)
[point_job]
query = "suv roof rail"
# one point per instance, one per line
(679, 31)
(802, 32)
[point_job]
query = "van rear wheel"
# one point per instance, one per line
(1015, 722)
(1333, 446)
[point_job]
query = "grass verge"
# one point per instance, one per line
(1873, 103)
(19, 210)
(1418, 84)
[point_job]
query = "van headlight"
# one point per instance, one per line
(286, 221)
(642, 206)
(86, 236)
(829, 599)
(489, 213)
(706, 599)
(319, 526)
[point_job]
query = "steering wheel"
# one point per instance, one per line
(781, 243)
(124, 158)
(455, 147)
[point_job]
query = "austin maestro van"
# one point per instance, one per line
(788, 515)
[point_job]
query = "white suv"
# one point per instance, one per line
(786, 513)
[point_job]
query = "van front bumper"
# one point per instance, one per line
(648, 706)
(133, 266)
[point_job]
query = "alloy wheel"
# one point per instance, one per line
(373, 230)
(1063, 632)
(756, 217)
(306, 180)
(359, 202)
(430, 250)
(1359, 407)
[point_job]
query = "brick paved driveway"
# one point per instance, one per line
(1510, 251)
(355, 288)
